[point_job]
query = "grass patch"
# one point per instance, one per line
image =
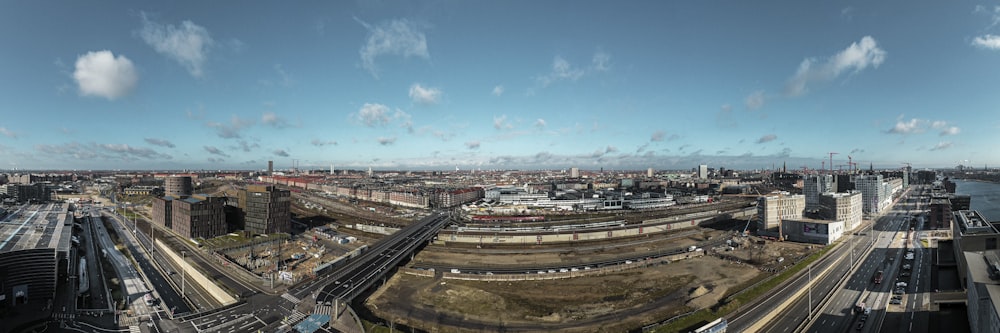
(721, 310)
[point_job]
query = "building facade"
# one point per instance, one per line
(983, 291)
(774, 207)
(875, 193)
(703, 171)
(37, 192)
(845, 207)
(265, 209)
(811, 231)
(163, 211)
(199, 216)
(815, 185)
(178, 186)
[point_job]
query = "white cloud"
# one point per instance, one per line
(658, 136)
(540, 123)
(498, 90)
(767, 138)
(755, 100)
(472, 144)
(855, 58)
(102, 74)
(320, 143)
(159, 142)
(988, 41)
(397, 37)
(941, 146)
(561, 70)
(374, 114)
(501, 123)
(188, 44)
(912, 126)
(8, 133)
(601, 62)
(232, 129)
(950, 130)
(386, 141)
(273, 120)
(424, 95)
(215, 151)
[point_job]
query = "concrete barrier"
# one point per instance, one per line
(559, 275)
(195, 276)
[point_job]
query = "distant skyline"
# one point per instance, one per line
(498, 85)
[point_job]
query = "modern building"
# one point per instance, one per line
(940, 216)
(774, 207)
(574, 172)
(35, 250)
(982, 290)
(971, 232)
(703, 171)
(178, 186)
(845, 207)
(815, 185)
(37, 192)
(649, 172)
(270, 168)
(875, 193)
(199, 216)
(814, 231)
(960, 201)
(163, 211)
(265, 209)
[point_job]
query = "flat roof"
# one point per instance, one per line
(979, 273)
(37, 226)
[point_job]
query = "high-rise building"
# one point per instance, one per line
(815, 185)
(574, 172)
(774, 207)
(178, 186)
(874, 193)
(703, 171)
(266, 209)
(270, 168)
(649, 172)
(199, 215)
(846, 207)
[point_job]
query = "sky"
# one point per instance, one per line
(439, 85)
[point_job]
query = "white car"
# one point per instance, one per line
(901, 284)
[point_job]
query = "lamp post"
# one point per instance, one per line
(183, 260)
(809, 283)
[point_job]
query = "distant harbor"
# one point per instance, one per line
(985, 196)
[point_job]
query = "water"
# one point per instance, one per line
(985, 197)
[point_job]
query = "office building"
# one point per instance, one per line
(774, 207)
(574, 172)
(940, 216)
(971, 232)
(815, 185)
(37, 192)
(875, 193)
(163, 211)
(845, 207)
(960, 201)
(198, 216)
(649, 172)
(265, 209)
(36, 253)
(178, 186)
(814, 231)
(703, 171)
(983, 291)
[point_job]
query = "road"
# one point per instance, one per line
(134, 286)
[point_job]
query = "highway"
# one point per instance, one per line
(134, 286)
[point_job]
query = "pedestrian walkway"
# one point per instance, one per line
(290, 298)
(295, 317)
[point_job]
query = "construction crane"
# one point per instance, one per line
(851, 164)
(831, 160)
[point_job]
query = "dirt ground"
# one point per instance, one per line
(614, 302)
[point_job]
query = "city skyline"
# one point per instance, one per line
(624, 86)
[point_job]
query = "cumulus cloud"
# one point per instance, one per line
(385, 141)
(246, 146)
(540, 123)
(498, 90)
(855, 58)
(911, 126)
(399, 37)
(472, 145)
(215, 151)
(501, 123)
(424, 95)
(102, 74)
(601, 62)
(96, 151)
(280, 152)
(755, 100)
(561, 70)
(374, 114)
(945, 128)
(159, 142)
(320, 143)
(988, 41)
(767, 138)
(8, 133)
(273, 120)
(941, 146)
(187, 44)
(658, 136)
(232, 129)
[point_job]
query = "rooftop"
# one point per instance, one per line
(979, 272)
(972, 222)
(38, 226)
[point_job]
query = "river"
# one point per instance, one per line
(985, 197)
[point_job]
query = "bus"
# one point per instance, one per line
(715, 326)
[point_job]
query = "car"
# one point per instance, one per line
(860, 326)
(905, 274)
(899, 291)
(895, 301)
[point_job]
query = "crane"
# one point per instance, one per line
(851, 164)
(831, 160)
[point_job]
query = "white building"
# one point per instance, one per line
(574, 172)
(875, 193)
(774, 207)
(815, 185)
(811, 230)
(703, 171)
(844, 207)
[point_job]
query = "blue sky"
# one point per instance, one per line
(498, 85)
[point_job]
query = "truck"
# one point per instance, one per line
(877, 278)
